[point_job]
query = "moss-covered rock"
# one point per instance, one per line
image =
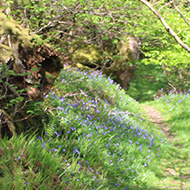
(123, 66)
(121, 52)
(87, 54)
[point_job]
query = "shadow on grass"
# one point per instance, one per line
(146, 82)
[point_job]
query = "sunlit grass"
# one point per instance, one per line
(175, 109)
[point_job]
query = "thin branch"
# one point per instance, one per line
(49, 25)
(19, 109)
(76, 94)
(167, 27)
(2, 40)
(112, 100)
(169, 13)
(129, 113)
(175, 90)
(24, 118)
(13, 90)
(181, 14)
(9, 41)
(165, 5)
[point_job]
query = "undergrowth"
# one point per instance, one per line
(96, 138)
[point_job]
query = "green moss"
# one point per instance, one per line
(86, 54)
(6, 53)
(17, 32)
(121, 70)
(124, 57)
(124, 50)
(82, 67)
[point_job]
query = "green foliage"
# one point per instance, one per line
(149, 79)
(70, 116)
(163, 49)
(16, 98)
(113, 19)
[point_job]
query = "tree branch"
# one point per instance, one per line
(180, 14)
(167, 27)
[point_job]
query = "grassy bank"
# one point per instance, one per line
(95, 138)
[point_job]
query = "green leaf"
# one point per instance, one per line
(13, 101)
(35, 69)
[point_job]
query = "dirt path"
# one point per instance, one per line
(173, 177)
(156, 118)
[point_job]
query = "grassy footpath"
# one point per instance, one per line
(175, 110)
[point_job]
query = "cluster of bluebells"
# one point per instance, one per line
(102, 134)
(173, 99)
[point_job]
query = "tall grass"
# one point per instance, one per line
(96, 138)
